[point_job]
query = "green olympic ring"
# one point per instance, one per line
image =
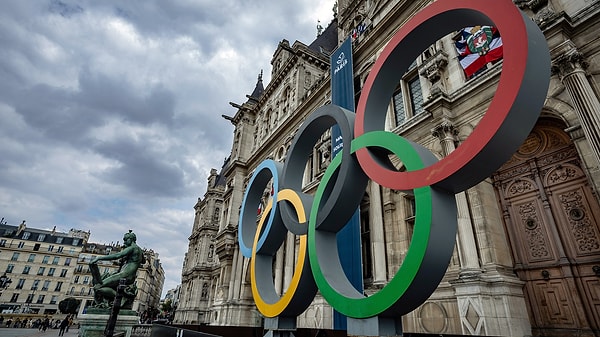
(421, 271)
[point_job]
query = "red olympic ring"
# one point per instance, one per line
(509, 118)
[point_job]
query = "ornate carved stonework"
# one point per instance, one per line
(568, 63)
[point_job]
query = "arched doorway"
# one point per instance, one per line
(551, 217)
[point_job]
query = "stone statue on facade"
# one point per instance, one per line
(105, 286)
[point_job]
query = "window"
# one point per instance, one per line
(41, 237)
(408, 98)
(71, 250)
(63, 273)
(60, 249)
(40, 299)
(53, 299)
(59, 239)
(58, 286)
(50, 248)
(51, 271)
(14, 298)
(46, 259)
(21, 244)
(29, 298)
(72, 291)
(76, 280)
(9, 268)
(20, 284)
(75, 242)
(46, 285)
(26, 235)
(82, 292)
(67, 261)
(86, 279)
(41, 270)
(31, 258)
(35, 284)
(36, 247)
(26, 269)
(3, 243)
(55, 260)
(15, 257)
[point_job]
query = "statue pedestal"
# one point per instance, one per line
(93, 324)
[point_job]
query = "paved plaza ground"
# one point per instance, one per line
(20, 332)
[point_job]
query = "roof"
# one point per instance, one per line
(327, 41)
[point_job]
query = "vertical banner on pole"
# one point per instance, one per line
(342, 94)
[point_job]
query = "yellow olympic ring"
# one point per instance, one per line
(276, 308)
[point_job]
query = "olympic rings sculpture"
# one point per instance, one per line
(317, 218)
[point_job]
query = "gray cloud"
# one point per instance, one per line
(111, 110)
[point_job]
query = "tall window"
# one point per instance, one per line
(15, 257)
(50, 248)
(14, 297)
(67, 261)
(21, 244)
(46, 259)
(40, 299)
(29, 298)
(55, 260)
(51, 271)
(63, 273)
(46, 285)
(53, 299)
(9, 268)
(35, 284)
(41, 237)
(26, 269)
(26, 235)
(408, 97)
(41, 270)
(58, 286)
(31, 258)
(20, 284)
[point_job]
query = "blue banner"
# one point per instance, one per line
(348, 239)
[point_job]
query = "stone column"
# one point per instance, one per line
(230, 294)
(290, 259)
(467, 247)
(571, 66)
(377, 235)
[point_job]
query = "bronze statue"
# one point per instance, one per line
(105, 286)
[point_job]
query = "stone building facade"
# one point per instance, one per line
(45, 267)
(527, 255)
(40, 264)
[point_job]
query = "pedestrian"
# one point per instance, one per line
(70, 322)
(45, 324)
(63, 326)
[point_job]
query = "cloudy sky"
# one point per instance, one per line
(110, 111)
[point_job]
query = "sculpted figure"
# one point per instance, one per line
(105, 286)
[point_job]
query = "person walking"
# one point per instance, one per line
(63, 326)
